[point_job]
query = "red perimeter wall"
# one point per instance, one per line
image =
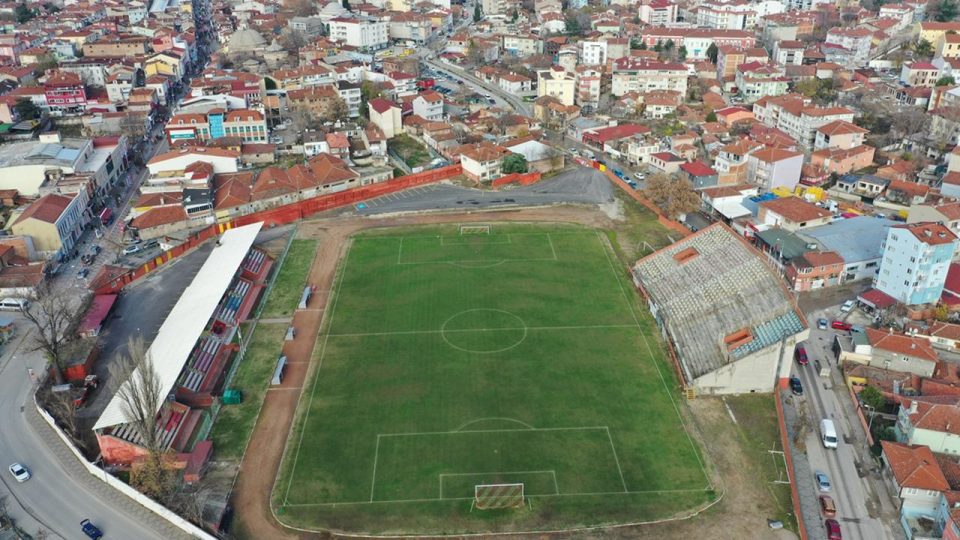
(283, 215)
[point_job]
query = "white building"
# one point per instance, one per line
(593, 53)
(429, 105)
(222, 160)
(771, 168)
(658, 12)
(855, 40)
(640, 75)
(735, 15)
(915, 261)
(360, 33)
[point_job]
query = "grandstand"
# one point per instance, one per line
(193, 351)
(725, 312)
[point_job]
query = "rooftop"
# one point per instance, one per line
(716, 267)
(855, 239)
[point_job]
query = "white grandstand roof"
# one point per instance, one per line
(188, 318)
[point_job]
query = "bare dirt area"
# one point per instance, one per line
(741, 514)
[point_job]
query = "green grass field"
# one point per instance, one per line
(290, 280)
(450, 360)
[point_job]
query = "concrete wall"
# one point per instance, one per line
(754, 373)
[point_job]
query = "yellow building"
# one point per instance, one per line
(54, 222)
(948, 46)
(932, 31)
(556, 83)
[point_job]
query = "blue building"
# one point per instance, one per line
(915, 261)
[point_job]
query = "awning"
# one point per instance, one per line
(99, 309)
(877, 299)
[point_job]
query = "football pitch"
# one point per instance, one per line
(460, 356)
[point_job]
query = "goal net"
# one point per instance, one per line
(474, 229)
(491, 496)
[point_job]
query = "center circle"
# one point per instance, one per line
(484, 331)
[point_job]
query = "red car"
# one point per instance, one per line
(833, 529)
(800, 354)
(840, 325)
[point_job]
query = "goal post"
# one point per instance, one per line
(466, 230)
(494, 496)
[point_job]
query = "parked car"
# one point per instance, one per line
(618, 173)
(840, 325)
(639, 176)
(800, 353)
(19, 472)
(823, 482)
(84, 272)
(822, 324)
(91, 530)
(827, 507)
(847, 306)
(130, 250)
(796, 386)
(833, 529)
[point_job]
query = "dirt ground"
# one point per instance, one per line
(741, 514)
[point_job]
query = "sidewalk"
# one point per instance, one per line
(102, 490)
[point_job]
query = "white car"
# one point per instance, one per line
(19, 472)
(129, 250)
(847, 306)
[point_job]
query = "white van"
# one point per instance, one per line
(14, 304)
(828, 433)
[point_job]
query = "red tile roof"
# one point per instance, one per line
(914, 466)
(795, 209)
(901, 344)
(161, 215)
(48, 208)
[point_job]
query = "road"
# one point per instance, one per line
(59, 495)
(503, 98)
(824, 399)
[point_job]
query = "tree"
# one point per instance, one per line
(293, 41)
(346, 5)
(514, 163)
(945, 80)
(711, 117)
(669, 45)
(337, 110)
(54, 318)
(515, 15)
(682, 53)
(673, 197)
(368, 90)
(476, 12)
(141, 393)
(25, 109)
(946, 10)
(872, 397)
(923, 48)
(23, 13)
(474, 53)
(712, 52)
(572, 26)
(658, 46)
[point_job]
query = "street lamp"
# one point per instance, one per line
(872, 410)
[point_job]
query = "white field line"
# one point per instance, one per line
(643, 335)
(373, 479)
(468, 330)
(316, 375)
(552, 249)
(553, 473)
(617, 459)
(579, 494)
(418, 433)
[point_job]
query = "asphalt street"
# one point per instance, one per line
(824, 398)
(580, 185)
(60, 494)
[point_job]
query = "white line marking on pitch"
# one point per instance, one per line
(579, 494)
(376, 457)
(617, 459)
(643, 335)
(468, 330)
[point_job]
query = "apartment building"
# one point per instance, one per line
(915, 261)
(839, 134)
(593, 53)
(589, 83)
(855, 40)
(116, 46)
(756, 80)
(247, 124)
(658, 12)
(429, 105)
(557, 83)
(366, 33)
(641, 75)
(482, 162)
(771, 168)
(919, 74)
(792, 114)
(730, 56)
(698, 40)
(735, 15)
(788, 52)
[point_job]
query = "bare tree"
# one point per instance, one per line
(140, 390)
(674, 197)
(54, 319)
(60, 406)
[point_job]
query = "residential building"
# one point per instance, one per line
(429, 105)
(916, 258)
(887, 349)
(755, 80)
(522, 45)
(814, 270)
(839, 134)
(932, 31)
(855, 40)
(788, 52)
(948, 46)
(386, 115)
(698, 40)
(65, 93)
(918, 481)
(352, 96)
(558, 84)
(919, 74)
(641, 75)
(792, 214)
(593, 53)
(54, 222)
(735, 15)
(248, 124)
(731, 163)
(366, 33)
(223, 160)
(658, 12)
(771, 168)
(116, 46)
(931, 424)
(840, 161)
(482, 162)
(666, 162)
